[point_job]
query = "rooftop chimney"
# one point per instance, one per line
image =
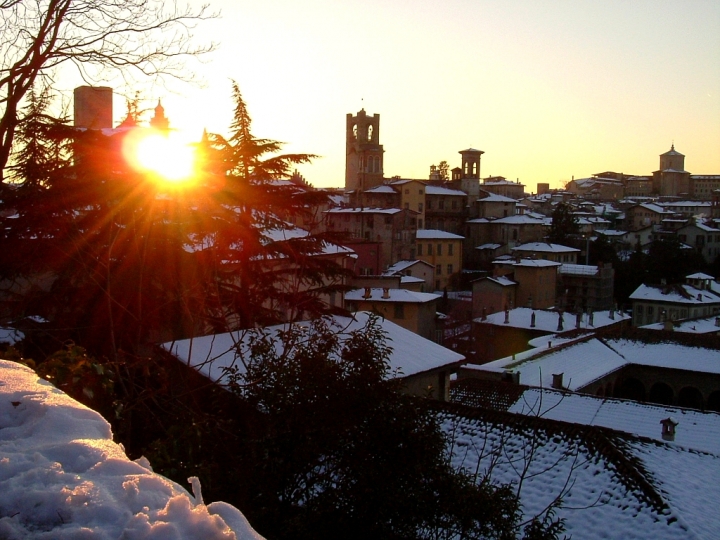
(557, 381)
(386, 293)
(668, 428)
(368, 293)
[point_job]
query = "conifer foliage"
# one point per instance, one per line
(115, 260)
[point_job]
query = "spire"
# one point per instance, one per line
(159, 121)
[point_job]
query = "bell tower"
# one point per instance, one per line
(467, 178)
(363, 152)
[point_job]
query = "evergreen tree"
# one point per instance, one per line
(118, 261)
(564, 228)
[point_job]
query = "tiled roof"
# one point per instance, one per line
(611, 485)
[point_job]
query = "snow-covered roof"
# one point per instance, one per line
(705, 325)
(696, 430)
(516, 219)
(678, 294)
(501, 280)
(488, 246)
(383, 188)
(591, 359)
(535, 263)
(378, 294)
(500, 183)
(703, 227)
(435, 234)
(411, 353)
(612, 485)
(439, 190)
(63, 477)
(401, 266)
(546, 247)
(699, 275)
(547, 320)
(654, 208)
(611, 232)
(670, 204)
(494, 197)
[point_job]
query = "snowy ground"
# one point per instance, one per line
(63, 478)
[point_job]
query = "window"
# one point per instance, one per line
(454, 204)
(419, 250)
(439, 249)
(438, 270)
(399, 310)
(429, 249)
(420, 207)
(441, 204)
(420, 192)
(449, 269)
(420, 224)
(450, 249)
(429, 205)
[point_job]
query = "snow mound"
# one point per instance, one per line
(62, 477)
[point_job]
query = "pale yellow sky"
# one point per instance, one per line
(548, 89)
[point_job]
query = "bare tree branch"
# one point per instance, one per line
(151, 38)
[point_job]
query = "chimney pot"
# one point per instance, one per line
(557, 381)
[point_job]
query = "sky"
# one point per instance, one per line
(549, 90)
(63, 478)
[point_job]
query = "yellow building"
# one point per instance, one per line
(414, 311)
(443, 250)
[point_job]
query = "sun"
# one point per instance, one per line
(168, 155)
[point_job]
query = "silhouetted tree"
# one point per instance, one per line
(564, 227)
(671, 261)
(602, 251)
(342, 453)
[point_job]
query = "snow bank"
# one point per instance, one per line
(62, 477)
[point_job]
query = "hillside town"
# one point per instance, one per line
(509, 307)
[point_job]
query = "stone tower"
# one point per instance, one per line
(671, 179)
(363, 152)
(467, 179)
